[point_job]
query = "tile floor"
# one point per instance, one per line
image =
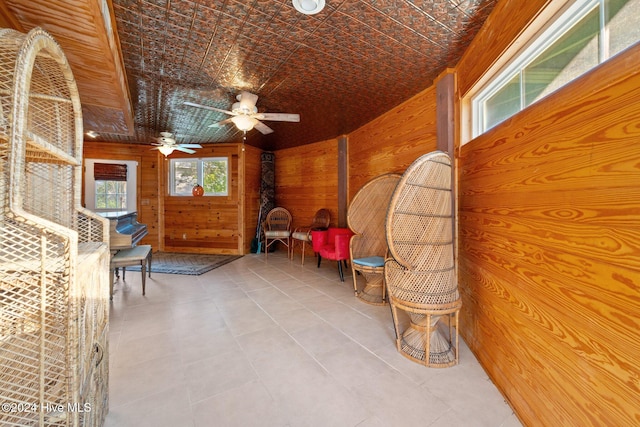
(257, 343)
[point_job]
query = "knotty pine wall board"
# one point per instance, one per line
(549, 259)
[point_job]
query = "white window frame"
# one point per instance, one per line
(564, 19)
(90, 184)
(200, 175)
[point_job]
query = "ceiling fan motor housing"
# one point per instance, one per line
(240, 108)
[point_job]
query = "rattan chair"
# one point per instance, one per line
(368, 248)
(420, 276)
(277, 228)
(302, 235)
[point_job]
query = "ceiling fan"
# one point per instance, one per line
(166, 144)
(245, 114)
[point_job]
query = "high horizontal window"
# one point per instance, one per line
(211, 173)
(585, 34)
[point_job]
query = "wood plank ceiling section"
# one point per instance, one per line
(338, 69)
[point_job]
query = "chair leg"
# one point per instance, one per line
(354, 274)
(149, 263)
(319, 259)
(143, 268)
(340, 271)
(303, 242)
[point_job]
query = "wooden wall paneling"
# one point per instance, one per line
(307, 180)
(252, 175)
(148, 181)
(391, 142)
(549, 252)
(206, 224)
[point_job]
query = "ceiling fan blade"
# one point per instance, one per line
(184, 150)
(190, 145)
(278, 117)
(247, 100)
(220, 123)
(264, 129)
(206, 107)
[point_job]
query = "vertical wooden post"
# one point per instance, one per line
(342, 181)
(445, 131)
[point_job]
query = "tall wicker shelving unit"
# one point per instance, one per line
(54, 255)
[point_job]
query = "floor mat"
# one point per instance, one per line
(189, 264)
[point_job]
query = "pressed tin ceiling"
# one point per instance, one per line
(338, 69)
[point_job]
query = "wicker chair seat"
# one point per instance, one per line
(302, 235)
(371, 262)
(277, 233)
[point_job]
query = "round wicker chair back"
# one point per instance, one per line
(367, 214)
(277, 228)
(419, 230)
(278, 219)
(321, 219)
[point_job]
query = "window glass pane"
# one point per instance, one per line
(573, 54)
(111, 195)
(623, 24)
(215, 176)
(111, 201)
(101, 201)
(211, 173)
(565, 55)
(111, 187)
(185, 175)
(503, 104)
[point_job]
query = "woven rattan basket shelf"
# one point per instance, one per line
(420, 276)
(54, 257)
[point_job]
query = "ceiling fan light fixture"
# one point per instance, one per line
(244, 123)
(165, 149)
(308, 7)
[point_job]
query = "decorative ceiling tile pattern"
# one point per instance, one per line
(338, 69)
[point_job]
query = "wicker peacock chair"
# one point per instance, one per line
(420, 276)
(366, 218)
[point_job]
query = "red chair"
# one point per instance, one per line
(332, 244)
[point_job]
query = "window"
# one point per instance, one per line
(110, 185)
(211, 173)
(111, 195)
(585, 34)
